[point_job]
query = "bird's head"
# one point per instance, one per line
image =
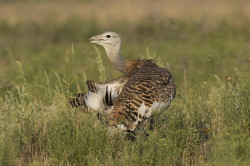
(109, 40)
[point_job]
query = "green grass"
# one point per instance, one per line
(42, 65)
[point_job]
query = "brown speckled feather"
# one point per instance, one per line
(147, 84)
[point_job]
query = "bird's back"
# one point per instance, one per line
(149, 88)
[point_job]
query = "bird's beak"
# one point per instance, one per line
(95, 39)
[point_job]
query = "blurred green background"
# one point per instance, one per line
(45, 57)
(205, 38)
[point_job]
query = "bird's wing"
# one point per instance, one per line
(100, 96)
(78, 101)
(149, 88)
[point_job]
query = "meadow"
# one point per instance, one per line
(45, 60)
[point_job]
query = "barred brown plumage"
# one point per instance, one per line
(128, 100)
(79, 101)
(148, 84)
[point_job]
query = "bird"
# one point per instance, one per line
(144, 88)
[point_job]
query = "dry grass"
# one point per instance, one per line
(132, 11)
(202, 43)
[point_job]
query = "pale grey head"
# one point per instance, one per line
(111, 42)
(108, 40)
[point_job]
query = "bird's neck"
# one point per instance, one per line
(116, 59)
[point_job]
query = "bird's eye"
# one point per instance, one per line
(108, 36)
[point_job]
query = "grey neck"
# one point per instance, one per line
(116, 59)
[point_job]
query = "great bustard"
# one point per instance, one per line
(132, 98)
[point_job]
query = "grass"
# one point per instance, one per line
(206, 124)
(43, 64)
